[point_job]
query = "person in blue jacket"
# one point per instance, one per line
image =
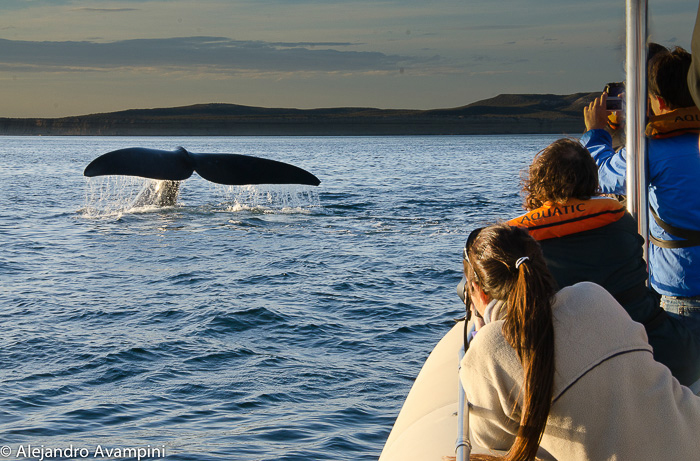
(673, 174)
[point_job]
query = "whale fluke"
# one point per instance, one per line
(148, 163)
(178, 165)
(237, 169)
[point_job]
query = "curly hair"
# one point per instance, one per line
(561, 171)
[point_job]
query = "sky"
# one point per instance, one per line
(75, 57)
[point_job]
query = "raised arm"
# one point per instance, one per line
(612, 166)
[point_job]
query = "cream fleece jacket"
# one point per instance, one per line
(611, 400)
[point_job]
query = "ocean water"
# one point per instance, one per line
(244, 323)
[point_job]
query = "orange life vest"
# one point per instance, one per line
(553, 220)
(674, 123)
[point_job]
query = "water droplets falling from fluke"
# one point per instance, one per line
(285, 198)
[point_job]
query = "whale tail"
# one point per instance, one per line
(178, 165)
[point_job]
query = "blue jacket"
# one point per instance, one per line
(674, 178)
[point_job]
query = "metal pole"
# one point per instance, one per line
(636, 96)
(463, 447)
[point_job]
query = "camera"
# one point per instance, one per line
(461, 290)
(614, 91)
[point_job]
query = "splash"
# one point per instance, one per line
(113, 196)
(108, 196)
(269, 199)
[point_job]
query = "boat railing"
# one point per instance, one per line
(636, 96)
(463, 446)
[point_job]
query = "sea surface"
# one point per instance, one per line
(244, 323)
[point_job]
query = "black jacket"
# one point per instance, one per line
(611, 256)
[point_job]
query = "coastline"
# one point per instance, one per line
(504, 114)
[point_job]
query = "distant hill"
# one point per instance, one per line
(503, 114)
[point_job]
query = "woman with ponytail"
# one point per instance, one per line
(567, 374)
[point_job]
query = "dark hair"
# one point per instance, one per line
(668, 72)
(653, 48)
(559, 172)
(528, 291)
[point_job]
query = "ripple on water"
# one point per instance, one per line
(256, 323)
(236, 322)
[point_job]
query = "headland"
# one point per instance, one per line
(503, 114)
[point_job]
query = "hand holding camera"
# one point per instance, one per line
(605, 111)
(615, 92)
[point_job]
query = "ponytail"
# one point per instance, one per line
(528, 328)
(510, 266)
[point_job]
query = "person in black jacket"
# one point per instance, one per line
(587, 237)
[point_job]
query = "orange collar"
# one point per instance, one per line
(553, 220)
(674, 123)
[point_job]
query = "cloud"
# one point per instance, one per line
(105, 10)
(215, 53)
(310, 44)
(488, 27)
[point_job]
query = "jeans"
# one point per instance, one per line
(687, 309)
